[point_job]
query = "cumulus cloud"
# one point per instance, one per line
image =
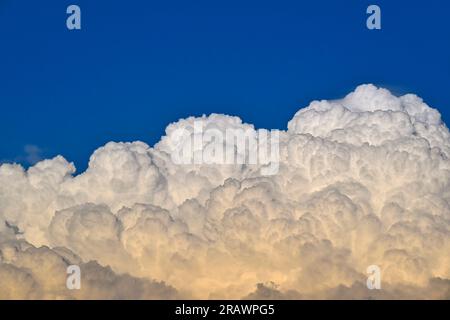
(362, 181)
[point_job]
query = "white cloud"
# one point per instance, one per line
(362, 181)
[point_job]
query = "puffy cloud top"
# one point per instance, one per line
(374, 116)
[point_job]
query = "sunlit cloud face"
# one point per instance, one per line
(360, 181)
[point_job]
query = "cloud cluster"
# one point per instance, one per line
(362, 181)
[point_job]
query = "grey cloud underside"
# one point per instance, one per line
(362, 181)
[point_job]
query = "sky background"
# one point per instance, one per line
(137, 66)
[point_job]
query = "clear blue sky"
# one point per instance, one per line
(138, 65)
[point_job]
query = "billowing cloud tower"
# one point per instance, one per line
(361, 181)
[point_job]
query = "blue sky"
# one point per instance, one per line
(138, 65)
